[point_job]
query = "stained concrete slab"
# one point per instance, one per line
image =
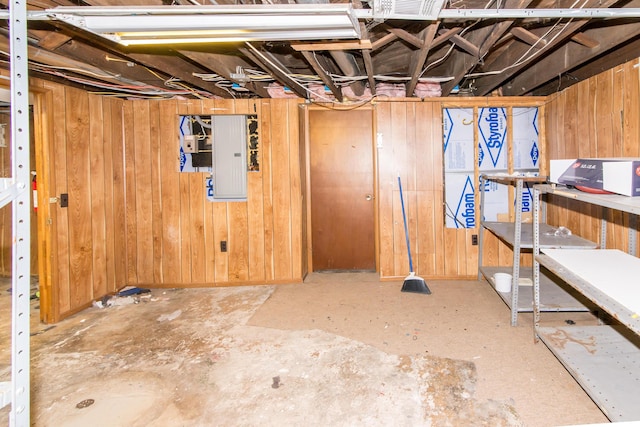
(340, 349)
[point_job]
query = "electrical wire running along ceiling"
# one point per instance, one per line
(326, 51)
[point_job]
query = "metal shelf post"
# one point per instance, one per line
(21, 250)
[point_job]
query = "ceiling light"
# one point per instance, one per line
(198, 24)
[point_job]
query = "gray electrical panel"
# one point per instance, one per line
(229, 156)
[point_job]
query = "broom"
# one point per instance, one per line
(412, 283)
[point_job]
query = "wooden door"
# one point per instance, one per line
(341, 182)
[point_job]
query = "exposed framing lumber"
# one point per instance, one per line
(486, 84)
(466, 45)
(349, 67)
(179, 67)
(273, 66)
(486, 38)
(528, 37)
(340, 45)
(444, 36)
(406, 36)
(366, 52)
(570, 57)
(52, 41)
(224, 65)
(368, 62)
(585, 40)
(309, 56)
(45, 57)
(383, 41)
(419, 59)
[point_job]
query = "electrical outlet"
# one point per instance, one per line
(64, 200)
(474, 239)
(223, 246)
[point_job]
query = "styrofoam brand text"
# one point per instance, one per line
(492, 127)
(467, 205)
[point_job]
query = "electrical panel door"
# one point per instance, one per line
(229, 156)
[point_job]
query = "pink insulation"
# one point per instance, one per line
(428, 90)
(277, 91)
(392, 90)
(348, 94)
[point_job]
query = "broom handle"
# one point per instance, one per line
(406, 230)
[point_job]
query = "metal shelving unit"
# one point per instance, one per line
(604, 359)
(16, 191)
(519, 238)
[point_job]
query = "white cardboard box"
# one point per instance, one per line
(615, 174)
(622, 177)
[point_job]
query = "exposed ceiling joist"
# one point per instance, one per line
(326, 79)
(569, 57)
(224, 66)
(486, 39)
(518, 48)
(585, 40)
(272, 65)
(338, 45)
(519, 58)
(419, 58)
(527, 36)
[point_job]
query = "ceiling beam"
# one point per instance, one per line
(486, 38)
(273, 66)
(585, 40)
(112, 63)
(350, 68)
(627, 52)
(311, 59)
(406, 36)
(338, 45)
(570, 56)
(51, 40)
(89, 73)
(159, 61)
(383, 41)
(368, 62)
(366, 52)
(444, 36)
(466, 45)
(224, 66)
(527, 36)
(419, 58)
(508, 64)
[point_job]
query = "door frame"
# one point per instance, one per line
(307, 249)
(41, 102)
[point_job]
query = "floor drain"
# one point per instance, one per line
(85, 403)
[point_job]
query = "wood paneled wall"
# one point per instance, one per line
(599, 117)
(410, 144)
(134, 219)
(174, 233)
(84, 160)
(411, 135)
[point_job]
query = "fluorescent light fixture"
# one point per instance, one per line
(206, 24)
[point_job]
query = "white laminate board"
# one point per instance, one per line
(612, 271)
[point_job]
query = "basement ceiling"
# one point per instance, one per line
(394, 57)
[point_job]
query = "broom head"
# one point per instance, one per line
(415, 284)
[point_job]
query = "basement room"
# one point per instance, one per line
(319, 213)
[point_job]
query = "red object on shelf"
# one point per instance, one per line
(34, 187)
(592, 190)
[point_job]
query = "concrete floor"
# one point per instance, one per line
(342, 349)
